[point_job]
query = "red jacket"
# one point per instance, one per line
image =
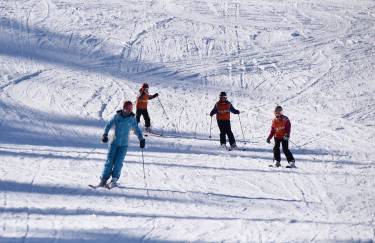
(280, 127)
(142, 99)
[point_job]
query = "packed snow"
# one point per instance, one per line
(67, 66)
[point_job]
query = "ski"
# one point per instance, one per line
(230, 149)
(152, 133)
(289, 167)
(236, 149)
(109, 188)
(94, 187)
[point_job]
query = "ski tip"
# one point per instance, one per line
(93, 187)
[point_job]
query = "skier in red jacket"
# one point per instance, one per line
(280, 130)
(141, 104)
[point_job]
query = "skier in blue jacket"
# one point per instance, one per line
(122, 122)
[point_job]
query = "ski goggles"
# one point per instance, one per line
(278, 113)
(129, 107)
(223, 97)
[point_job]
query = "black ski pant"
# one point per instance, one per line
(145, 115)
(225, 129)
(276, 150)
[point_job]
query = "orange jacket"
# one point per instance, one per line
(223, 111)
(142, 100)
(280, 127)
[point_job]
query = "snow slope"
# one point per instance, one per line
(66, 67)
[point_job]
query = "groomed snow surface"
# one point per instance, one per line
(67, 66)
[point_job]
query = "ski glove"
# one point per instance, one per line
(268, 140)
(156, 95)
(142, 143)
(286, 138)
(211, 114)
(238, 112)
(105, 138)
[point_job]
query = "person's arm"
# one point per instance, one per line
(233, 110)
(137, 130)
(214, 111)
(109, 125)
(153, 96)
(288, 127)
(140, 96)
(272, 132)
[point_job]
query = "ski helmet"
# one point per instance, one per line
(144, 86)
(278, 110)
(128, 104)
(223, 94)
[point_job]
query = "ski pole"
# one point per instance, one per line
(210, 127)
(163, 108)
(144, 175)
(242, 129)
(302, 149)
(92, 150)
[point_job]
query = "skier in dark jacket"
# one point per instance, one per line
(141, 104)
(280, 130)
(122, 122)
(223, 108)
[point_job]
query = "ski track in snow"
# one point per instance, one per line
(67, 66)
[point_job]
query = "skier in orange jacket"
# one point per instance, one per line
(141, 104)
(280, 130)
(223, 108)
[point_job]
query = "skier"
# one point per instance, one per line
(141, 104)
(280, 130)
(223, 108)
(123, 121)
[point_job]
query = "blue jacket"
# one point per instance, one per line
(122, 125)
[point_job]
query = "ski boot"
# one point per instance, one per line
(291, 164)
(113, 183)
(102, 182)
(234, 146)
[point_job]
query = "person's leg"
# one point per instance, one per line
(138, 115)
(147, 118)
(288, 154)
(276, 150)
(119, 160)
(111, 154)
(221, 125)
(229, 132)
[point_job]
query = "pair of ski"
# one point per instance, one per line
(288, 166)
(106, 186)
(233, 149)
(152, 133)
